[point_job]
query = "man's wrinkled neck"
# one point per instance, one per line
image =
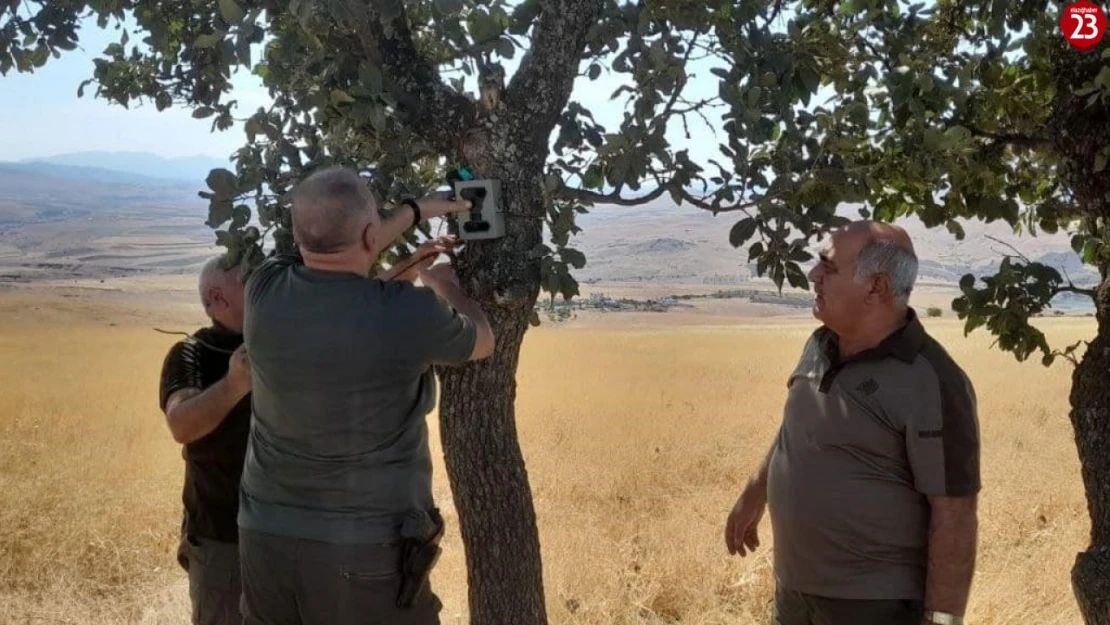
(339, 262)
(869, 332)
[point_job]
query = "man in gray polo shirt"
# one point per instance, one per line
(873, 478)
(338, 469)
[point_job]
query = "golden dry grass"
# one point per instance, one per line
(637, 441)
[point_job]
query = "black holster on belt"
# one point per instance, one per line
(420, 536)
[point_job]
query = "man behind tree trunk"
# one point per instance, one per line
(205, 395)
(337, 521)
(873, 478)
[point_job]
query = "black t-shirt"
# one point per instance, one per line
(214, 463)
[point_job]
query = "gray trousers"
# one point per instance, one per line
(796, 608)
(290, 581)
(214, 580)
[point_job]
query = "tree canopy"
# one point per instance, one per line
(946, 110)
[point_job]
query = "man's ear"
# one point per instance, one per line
(216, 296)
(880, 287)
(369, 237)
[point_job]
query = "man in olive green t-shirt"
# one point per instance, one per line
(338, 458)
(873, 478)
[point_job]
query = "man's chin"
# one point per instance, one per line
(817, 308)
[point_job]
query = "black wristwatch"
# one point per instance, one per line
(415, 210)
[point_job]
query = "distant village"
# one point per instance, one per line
(559, 309)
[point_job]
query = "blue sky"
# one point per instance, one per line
(42, 115)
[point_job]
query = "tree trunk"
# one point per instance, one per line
(1080, 129)
(484, 462)
(1090, 417)
(490, 485)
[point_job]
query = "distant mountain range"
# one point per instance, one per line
(49, 207)
(143, 164)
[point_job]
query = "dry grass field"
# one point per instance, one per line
(637, 440)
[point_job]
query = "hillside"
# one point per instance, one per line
(137, 163)
(69, 221)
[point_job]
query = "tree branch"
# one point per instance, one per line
(436, 113)
(1026, 141)
(1015, 250)
(473, 50)
(542, 85)
(1071, 288)
(715, 208)
(591, 197)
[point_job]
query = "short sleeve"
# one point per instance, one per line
(942, 443)
(438, 333)
(263, 275)
(180, 370)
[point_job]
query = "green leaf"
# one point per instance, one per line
(506, 48)
(377, 118)
(1092, 249)
(742, 231)
(207, 41)
(243, 50)
(338, 96)
(219, 212)
(796, 277)
(450, 7)
(957, 136)
(224, 183)
(40, 56)
(231, 11)
(253, 128)
(573, 257)
(202, 112)
(1101, 158)
(1103, 78)
(778, 274)
(240, 216)
(810, 79)
(753, 96)
(481, 26)
(925, 83)
(594, 179)
(595, 71)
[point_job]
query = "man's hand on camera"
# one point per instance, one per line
(411, 268)
(441, 279)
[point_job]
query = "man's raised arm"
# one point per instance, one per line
(442, 280)
(192, 413)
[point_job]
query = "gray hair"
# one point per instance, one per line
(882, 256)
(214, 272)
(325, 204)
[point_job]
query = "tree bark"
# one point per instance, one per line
(1090, 417)
(484, 462)
(489, 483)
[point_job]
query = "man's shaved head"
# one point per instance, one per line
(330, 209)
(885, 248)
(221, 292)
